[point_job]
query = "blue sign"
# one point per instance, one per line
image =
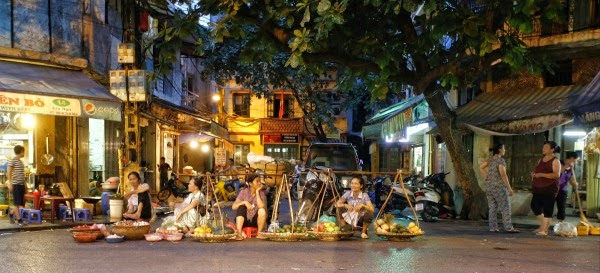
(587, 115)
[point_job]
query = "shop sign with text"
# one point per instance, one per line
(531, 125)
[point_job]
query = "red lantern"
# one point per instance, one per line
(144, 21)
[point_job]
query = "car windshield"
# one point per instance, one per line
(337, 157)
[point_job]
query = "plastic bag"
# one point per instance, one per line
(565, 229)
(326, 218)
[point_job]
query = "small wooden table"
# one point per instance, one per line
(55, 201)
(34, 199)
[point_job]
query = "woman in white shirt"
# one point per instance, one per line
(186, 213)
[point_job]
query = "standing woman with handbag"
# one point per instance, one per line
(545, 186)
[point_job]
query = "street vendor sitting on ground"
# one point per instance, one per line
(132, 195)
(251, 206)
(355, 206)
(143, 210)
(186, 213)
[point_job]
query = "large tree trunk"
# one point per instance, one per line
(475, 203)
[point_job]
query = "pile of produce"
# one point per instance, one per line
(289, 229)
(205, 229)
(389, 225)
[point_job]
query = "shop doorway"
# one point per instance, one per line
(97, 156)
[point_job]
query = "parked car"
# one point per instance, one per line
(337, 156)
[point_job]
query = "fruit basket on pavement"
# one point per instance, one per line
(327, 228)
(386, 227)
(287, 233)
(216, 230)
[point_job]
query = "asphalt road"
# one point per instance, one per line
(447, 247)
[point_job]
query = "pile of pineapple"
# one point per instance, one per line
(387, 225)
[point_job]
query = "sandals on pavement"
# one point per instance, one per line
(513, 230)
(239, 237)
(542, 233)
(364, 236)
(494, 230)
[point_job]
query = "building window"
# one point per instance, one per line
(563, 75)
(240, 153)
(241, 105)
(274, 103)
(282, 151)
(468, 94)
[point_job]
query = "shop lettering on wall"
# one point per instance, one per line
(289, 138)
(531, 125)
(37, 104)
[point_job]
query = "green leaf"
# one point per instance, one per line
(323, 6)
(306, 17)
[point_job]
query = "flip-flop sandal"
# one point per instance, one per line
(239, 237)
(541, 233)
(512, 230)
(364, 236)
(494, 230)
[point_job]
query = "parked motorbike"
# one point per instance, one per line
(225, 189)
(171, 188)
(436, 198)
(313, 194)
(398, 201)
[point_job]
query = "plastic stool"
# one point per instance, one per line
(250, 231)
(82, 214)
(24, 212)
(35, 215)
(67, 215)
(61, 211)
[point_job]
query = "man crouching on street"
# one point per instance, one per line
(251, 206)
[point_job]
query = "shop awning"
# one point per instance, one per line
(371, 131)
(525, 112)
(390, 111)
(185, 119)
(36, 89)
(393, 119)
(589, 114)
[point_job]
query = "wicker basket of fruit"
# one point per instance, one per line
(330, 231)
(389, 229)
(131, 230)
(287, 233)
(206, 234)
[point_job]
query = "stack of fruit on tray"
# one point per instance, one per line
(390, 229)
(205, 233)
(329, 231)
(287, 233)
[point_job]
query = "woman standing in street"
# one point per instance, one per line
(545, 186)
(498, 190)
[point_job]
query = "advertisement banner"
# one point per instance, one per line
(220, 157)
(38, 104)
(59, 106)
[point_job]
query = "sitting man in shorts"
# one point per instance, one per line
(251, 206)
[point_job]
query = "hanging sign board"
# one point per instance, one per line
(530, 125)
(220, 157)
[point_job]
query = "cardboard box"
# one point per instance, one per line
(65, 190)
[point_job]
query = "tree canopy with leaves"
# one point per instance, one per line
(430, 45)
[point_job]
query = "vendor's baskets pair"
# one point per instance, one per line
(285, 237)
